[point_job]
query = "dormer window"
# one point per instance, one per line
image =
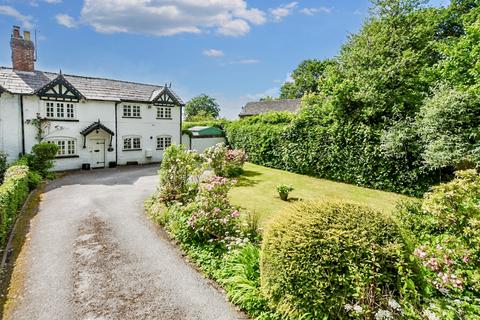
(60, 110)
(131, 111)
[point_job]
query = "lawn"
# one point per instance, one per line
(256, 191)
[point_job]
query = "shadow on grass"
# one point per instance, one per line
(245, 179)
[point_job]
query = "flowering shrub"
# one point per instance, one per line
(447, 230)
(225, 162)
(179, 174)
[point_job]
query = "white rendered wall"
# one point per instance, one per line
(10, 126)
(201, 144)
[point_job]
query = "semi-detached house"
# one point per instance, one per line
(95, 122)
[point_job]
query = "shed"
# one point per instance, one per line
(200, 138)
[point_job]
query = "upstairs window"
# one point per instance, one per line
(60, 110)
(66, 146)
(131, 111)
(131, 143)
(163, 142)
(164, 113)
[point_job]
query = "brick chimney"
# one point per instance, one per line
(23, 51)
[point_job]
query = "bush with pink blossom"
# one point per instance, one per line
(225, 162)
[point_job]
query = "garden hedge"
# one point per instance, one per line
(13, 193)
(335, 261)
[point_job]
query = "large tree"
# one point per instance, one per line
(202, 107)
(305, 79)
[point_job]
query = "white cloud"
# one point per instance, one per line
(66, 20)
(313, 11)
(272, 92)
(12, 12)
(53, 1)
(213, 53)
(245, 61)
(170, 17)
(285, 10)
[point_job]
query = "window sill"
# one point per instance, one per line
(67, 157)
(132, 150)
(65, 120)
(164, 118)
(160, 149)
(131, 117)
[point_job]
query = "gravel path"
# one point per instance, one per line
(91, 254)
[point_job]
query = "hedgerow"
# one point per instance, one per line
(13, 193)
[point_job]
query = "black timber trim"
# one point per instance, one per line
(128, 150)
(67, 157)
(62, 82)
(165, 90)
(96, 126)
(124, 117)
(60, 120)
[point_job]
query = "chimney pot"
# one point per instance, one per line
(26, 35)
(16, 32)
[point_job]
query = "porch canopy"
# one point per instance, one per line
(96, 126)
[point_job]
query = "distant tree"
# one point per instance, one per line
(305, 79)
(267, 98)
(203, 107)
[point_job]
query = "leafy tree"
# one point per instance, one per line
(202, 106)
(305, 79)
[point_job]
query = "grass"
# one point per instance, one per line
(256, 192)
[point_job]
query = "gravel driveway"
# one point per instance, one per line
(91, 254)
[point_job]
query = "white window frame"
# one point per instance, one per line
(131, 111)
(67, 146)
(60, 110)
(162, 143)
(133, 140)
(164, 112)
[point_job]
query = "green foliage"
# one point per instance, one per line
(305, 79)
(283, 188)
(446, 226)
(201, 108)
(13, 192)
(336, 260)
(225, 162)
(3, 165)
(449, 124)
(41, 158)
(179, 173)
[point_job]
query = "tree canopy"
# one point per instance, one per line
(201, 108)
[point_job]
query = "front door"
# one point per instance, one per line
(97, 152)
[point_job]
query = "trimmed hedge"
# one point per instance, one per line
(13, 193)
(316, 144)
(336, 261)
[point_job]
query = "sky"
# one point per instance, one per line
(233, 50)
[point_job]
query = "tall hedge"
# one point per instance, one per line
(336, 261)
(314, 143)
(13, 193)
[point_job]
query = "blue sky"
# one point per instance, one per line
(233, 50)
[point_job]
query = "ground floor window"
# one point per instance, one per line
(131, 143)
(163, 142)
(66, 146)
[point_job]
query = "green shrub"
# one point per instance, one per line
(336, 260)
(13, 193)
(177, 174)
(225, 162)
(41, 159)
(446, 226)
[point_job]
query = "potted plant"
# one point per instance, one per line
(283, 191)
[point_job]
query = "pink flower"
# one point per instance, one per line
(466, 259)
(420, 253)
(235, 214)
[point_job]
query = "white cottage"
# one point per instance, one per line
(96, 122)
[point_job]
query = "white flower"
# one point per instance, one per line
(357, 308)
(394, 305)
(383, 315)
(430, 315)
(348, 307)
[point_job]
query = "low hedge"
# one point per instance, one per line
(336, 261)
(13, 193)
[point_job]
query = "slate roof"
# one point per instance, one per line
(91, 88)
(259, 107)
